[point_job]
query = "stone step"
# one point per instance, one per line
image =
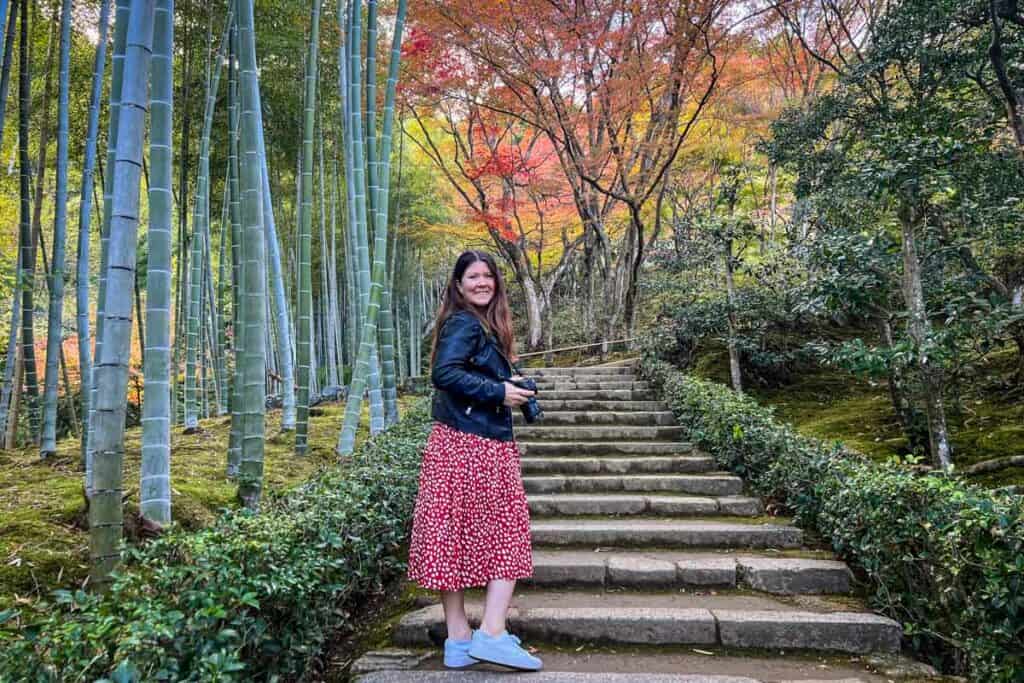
(600, 371)
(591, 448)
(598, 405)
(639, 532)
(629, 362)
(629, 465)
(560, 385)
(734, 620)
(597, 395)
(648, 418)
(597, 433)
(622, 375)
(666, 569)
(696, 484)
(484, 674)
(586, 663)
(569, 504)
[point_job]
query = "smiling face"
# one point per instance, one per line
(477, 284)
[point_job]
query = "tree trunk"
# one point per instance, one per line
(368, 346)
(26, 252)
(250, 474)
(238, 263)
(1017, 303)
(7, 395)
(919, 327)
(534, 312)
(1012, 97)
(5, 74)
(55, 324)
(913, 423)
(155, 468)
(201, 239)
(730, 288)
(283, 318)
(121, 22)
(305, 236)
(105, 507)
(11, 427)
(28, 305)
(84, 225)
(633, 273)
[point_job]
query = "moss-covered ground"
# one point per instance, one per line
(833, 405)
(43, 527)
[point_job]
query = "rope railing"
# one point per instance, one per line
(576, 348)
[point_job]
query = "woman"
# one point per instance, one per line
(471, 526)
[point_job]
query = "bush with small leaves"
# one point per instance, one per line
(254, 597)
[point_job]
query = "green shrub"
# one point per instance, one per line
(252, 598)
(944, 558)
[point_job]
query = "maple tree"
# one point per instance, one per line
(615, 88)
(507, 178)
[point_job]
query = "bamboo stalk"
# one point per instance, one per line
(155, 469)
(105, 507)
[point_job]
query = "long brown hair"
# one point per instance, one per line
(496, 318)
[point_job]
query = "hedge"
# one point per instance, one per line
(253, 597)
(944, 558)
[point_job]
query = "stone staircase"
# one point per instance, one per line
(652, 566)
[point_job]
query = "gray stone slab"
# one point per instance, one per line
(555, 483)
(601, 371)
(682, 505)
(583, 504)
(545, 677)
(660, 464)
(898, 667)
(389, 659)
(599, 394)
(597, 433)
(591, 448)
(603, 417)
(551, 406)
(640, 571)
(852, 632)
(584, 384)
(568, 569)
(703, 485)
(641, 625)
(563, 465)
(787, 576)
(415, 628)
(665, 533)
(741, 506)
(707, 572)
(646, 626)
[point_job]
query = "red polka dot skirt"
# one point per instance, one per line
(471, 524)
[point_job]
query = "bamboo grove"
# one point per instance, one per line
(179, 252)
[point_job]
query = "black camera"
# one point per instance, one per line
(531, 409)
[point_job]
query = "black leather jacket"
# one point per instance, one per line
(469, 371)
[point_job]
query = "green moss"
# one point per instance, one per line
(713, 365)
(832, 405)
(43, 525)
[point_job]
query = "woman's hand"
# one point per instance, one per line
(514, 396)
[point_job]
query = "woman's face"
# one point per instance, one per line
(477, 284)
